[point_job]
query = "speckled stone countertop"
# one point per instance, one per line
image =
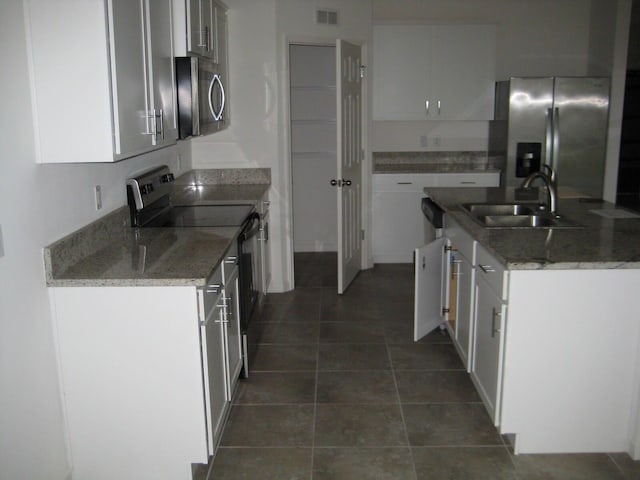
(603, 243)
(108, 252)
(434, 162)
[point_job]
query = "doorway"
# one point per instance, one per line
(313, 162)
(313, 147)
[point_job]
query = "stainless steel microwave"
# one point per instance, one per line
(202, 99)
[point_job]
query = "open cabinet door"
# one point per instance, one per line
(431, 292)
(349, 155)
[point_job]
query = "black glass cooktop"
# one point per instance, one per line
(203, 216)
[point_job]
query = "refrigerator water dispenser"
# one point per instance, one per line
(527, 158)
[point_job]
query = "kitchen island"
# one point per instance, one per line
(147, 358)
(555, 323)
(602, 243)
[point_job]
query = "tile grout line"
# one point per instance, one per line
(315, 396)
(404, 422)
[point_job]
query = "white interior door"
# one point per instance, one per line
(349, 155)
(431, 293)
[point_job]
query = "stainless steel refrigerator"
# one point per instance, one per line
(558, 121)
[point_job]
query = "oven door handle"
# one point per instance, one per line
(252, 227)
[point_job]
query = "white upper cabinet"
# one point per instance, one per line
(433, 72)
(201, 38)
(101, 78)
(205, 29)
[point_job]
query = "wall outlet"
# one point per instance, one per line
(424, 141)
(98, 194)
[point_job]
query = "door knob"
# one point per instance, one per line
(346, 183)
(335, 183)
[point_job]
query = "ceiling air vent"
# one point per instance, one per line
(325, 16)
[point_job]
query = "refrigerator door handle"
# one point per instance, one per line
(556, 138)
(548, 145)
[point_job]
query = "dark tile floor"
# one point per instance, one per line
(339, 390)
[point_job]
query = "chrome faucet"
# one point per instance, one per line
(551, 172)
(549, 181)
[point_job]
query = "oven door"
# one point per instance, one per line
(249, 274)
(249, 252)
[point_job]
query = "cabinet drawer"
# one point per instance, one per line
(230, 261)
(492, 271)
(212, 292)
(401, 182)
(460, 239)
(481, 179)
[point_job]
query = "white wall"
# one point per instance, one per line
(535, 37)
(38, 204)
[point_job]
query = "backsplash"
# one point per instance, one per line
(455, 161)
(226, 176)
(67, 251)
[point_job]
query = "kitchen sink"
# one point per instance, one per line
(516, 215)
(482, 209)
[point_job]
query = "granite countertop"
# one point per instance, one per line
(151, 257)
(603, 243)
(108, 252)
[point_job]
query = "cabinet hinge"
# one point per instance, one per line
(445, 311)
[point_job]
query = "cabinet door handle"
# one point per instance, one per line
(161, 117)
(204, 38)
(486, 268)
(404, 183)
(438, 107)
(213, 288)
(231, 259)
(468, 183)
(426, 106)
(495, 315)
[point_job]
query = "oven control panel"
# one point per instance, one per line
(149, 186)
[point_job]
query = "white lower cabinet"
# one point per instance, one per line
(220, 343)
(213, 336)
(489, 327)
(463, 275)
(445, 289)
(398, 223)
(147, 375)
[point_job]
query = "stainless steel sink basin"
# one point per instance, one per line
(527, 221)
(482, 209)
(516, 215)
